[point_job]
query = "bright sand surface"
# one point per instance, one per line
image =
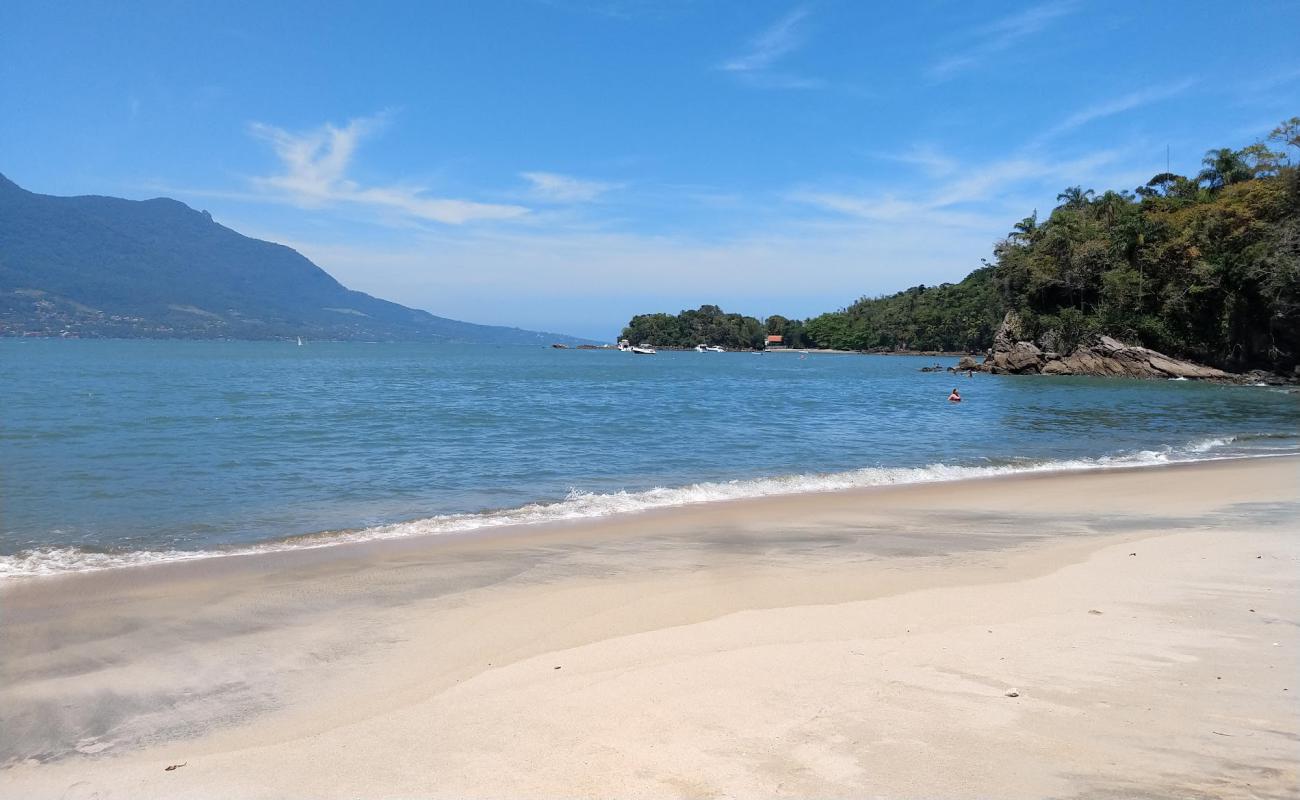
(855, 644)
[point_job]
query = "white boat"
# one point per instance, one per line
(644, 350)
(715, 349)
(300, 341)
(699, 348)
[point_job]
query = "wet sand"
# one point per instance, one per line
(835, 645)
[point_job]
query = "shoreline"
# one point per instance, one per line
(488, 526)
(839, 644)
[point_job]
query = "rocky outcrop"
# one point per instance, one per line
(1099, 356)
(1008, 333)
(1105, 356)
(1010, 353)
(1020, 358)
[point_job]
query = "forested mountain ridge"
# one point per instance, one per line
(103, 266)
(1205, 268)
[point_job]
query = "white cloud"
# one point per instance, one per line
(997, 179)
(1115, 106)
(592, 283)
(554, 187)
(771, 44)
(315, 167)
(1000, 190)
(929, 159)
(987, 40)
(880, 208)
(754, 66)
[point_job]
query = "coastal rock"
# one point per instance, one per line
(1008, 333)
(1019, 358)
(1258, 376)
(1010, 354)
(1100, 356)
(967, 364)
(1104, 356)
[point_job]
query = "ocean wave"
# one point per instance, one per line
(578, 504)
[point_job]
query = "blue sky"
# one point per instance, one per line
(564, 164)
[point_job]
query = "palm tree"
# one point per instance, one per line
(1111, 204)
(1024, 230)
(1075, 197)
(1224, 167)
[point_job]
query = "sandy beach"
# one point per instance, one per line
(1111, 633)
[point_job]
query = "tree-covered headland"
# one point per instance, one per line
(1204, 267)
(710, 325)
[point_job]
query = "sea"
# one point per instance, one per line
(123, 453)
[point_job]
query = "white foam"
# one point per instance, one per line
(589, 505)
(1206, 445)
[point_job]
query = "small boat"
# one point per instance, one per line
(699, 348)
(715, 349)
(560, 346)
(300, 341)
(644, 350)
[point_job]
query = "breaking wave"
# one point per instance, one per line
(588, 505)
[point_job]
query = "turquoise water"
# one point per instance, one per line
(118, 452)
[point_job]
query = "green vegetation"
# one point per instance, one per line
(708, 325)
(1205, 268)
(711, 325)
(952, 316)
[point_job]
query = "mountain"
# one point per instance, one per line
(107, 267)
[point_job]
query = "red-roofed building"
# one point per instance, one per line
(774, 342)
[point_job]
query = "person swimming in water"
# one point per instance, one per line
(955, 397)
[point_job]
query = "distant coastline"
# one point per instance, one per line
(107, 268)
(1201, 268)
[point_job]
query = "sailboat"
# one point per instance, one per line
(300, 341)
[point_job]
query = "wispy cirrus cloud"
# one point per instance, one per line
(755, 65)
(997, 188)
(557, 188)
(315, 174)
(979, 43)
(1117, 105)
(931, 160)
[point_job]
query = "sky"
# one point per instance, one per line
(561, 165)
